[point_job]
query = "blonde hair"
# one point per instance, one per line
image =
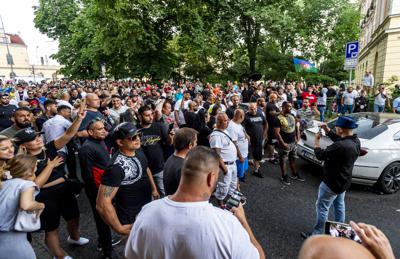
(18, 167)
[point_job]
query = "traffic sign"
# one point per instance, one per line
(352, 50)
(351, 55)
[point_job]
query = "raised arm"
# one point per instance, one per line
(71, 131)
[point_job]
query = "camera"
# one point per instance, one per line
(234, 200)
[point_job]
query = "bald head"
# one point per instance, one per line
(222, 121)
(92, 101)
(322, 246)
(238, 116)
(65, 96)
(272, 98)
(253, 108)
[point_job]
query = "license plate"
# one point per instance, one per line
(310, 156)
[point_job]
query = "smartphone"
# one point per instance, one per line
(337, 229)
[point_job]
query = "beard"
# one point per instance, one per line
(23, 125)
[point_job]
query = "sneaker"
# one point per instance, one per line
(285, 180)
(115, 241)
(258, 174)
(305, 235)
(82, 241)
(262, 161)
(65, 257)
(297, 177)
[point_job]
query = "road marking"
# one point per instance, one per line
(398, 210)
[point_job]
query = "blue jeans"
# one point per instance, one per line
(347, 108)
(326, 197)
(379, 108)
(321, 110)
(339, 108)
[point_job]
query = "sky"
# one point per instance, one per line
(18, 17)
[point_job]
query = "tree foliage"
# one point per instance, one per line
(197, 38)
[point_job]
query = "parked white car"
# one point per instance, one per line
(379, 162)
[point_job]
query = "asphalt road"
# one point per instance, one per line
(276, 213)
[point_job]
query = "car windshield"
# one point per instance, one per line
(369, 125)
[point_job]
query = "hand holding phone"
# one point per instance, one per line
(337, 229)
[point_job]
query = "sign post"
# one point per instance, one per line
(351, 59)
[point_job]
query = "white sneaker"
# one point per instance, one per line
(82, 241)
(65, 257)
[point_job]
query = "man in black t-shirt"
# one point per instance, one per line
(154, 136)
(256, 127)
(235, 105)
(272, 111)
(94, 158)
(6, 111)
(127, 182)
(287, 133)
(184, 140)
(191, 115)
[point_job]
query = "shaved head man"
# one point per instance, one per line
(222, 143)
(257, 127)
(215, 232)
(92, 113)
(241, 139)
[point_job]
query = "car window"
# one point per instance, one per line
(368, 127)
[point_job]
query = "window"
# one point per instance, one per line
(369, 126)
(10, 60)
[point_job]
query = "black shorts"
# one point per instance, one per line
(59, 202)
(256, 151)
(271, 137)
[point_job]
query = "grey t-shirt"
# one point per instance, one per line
(10, 192)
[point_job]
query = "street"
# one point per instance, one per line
(276, 213)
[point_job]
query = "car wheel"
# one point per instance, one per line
(389, 181)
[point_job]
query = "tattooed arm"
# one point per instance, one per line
(107, 211)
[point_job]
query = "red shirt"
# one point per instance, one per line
(311, 97)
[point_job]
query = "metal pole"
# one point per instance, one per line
(8, 50)
(350, 76)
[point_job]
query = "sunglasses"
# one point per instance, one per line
(136, 137)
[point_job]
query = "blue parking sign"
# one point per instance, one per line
(352, 50)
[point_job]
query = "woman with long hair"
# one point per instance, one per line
(17, 192)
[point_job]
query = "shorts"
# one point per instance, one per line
(271, 138)
(59, 202)
(242, 167)
(256, 151)
(290, 153)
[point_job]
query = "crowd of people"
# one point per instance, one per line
(150, 155)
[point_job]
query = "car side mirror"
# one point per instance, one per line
(396, 137)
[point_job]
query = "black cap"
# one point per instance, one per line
(125, 130)
(25, 135)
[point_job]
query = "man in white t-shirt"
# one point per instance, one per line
(348, 100)
(222, 143)
(241, 139)
(186, 225)
(180, 107)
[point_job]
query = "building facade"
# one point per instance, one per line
(379, 40)
(14, 61)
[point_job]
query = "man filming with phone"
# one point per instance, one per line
(186, 225)
(339, 159)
